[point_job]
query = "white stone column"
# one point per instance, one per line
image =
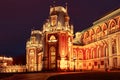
(110, 52)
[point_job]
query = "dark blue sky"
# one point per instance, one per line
(17, 17)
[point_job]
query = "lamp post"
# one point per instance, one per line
(74, 62)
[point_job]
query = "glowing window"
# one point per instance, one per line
(32, 52)
(52, 37)
(52, 59)
(52, 53)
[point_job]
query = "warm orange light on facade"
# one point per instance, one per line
(63, 64)
(63, 53)
(91, 49)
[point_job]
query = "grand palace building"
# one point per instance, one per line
(99, 45)
(56, 49)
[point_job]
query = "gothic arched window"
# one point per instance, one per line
(52, 37)
(52, 54)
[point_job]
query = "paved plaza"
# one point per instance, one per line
(65, 76)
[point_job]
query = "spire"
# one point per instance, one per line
(54, 3)
(53, 11)
(66, 6)
(33, 28)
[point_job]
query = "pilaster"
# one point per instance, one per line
(110, 52)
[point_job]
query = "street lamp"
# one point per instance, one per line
(74, 58)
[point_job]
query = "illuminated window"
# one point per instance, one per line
(52, 56)
(32, 61)
(52, 59)
(31, 52)
(53, 53)
(52, 39)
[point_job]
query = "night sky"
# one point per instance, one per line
(18, 17)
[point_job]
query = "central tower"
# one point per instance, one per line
(57, 40)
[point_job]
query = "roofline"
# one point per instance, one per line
(108, 16)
